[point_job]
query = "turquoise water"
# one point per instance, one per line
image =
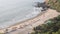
(13, 11)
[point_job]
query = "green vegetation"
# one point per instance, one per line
(1, 33)
(54, 4)
(51, 26)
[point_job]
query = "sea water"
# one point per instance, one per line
(14, 11)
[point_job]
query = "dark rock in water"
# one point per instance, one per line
(43, 5)
(38, 4)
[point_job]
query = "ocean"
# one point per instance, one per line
(14, 11)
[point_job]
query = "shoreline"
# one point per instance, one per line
(20, 22)
(33, 20)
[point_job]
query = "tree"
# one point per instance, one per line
(51, 26)
(54, 4)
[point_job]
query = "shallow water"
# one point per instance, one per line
(12, 11)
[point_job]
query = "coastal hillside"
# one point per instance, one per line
(54, 4)
(51, 26)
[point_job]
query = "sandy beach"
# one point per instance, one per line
(26, 26)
